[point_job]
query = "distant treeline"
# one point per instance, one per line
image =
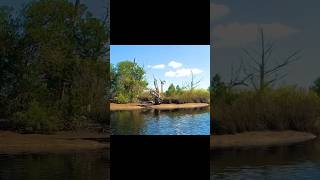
(128, 84)
(53, 66)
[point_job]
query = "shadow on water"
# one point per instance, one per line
(76, 166)
(300, 161)
(153, 121)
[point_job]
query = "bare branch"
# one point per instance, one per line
(291, 58)
(250, 56)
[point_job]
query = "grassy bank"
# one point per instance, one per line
(181, 97)
(137, 106)
(285, 108)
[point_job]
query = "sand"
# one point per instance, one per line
(263, 138)
(136, 106)
(62, 142)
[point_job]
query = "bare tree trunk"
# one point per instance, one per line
(262, 65)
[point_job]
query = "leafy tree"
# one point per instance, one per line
(128, 81)
(53, 56)
(171, 90)
(178, 89)
(218, 87)
(316, 86)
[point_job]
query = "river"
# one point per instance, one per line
(76, 166)
(161, 122)
(299, 161)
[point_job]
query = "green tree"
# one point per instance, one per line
(178, 89)
(54, 57)
(316, 86)
(218, 88)
(128, 81)
(171, 90)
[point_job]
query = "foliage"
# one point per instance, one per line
(37, 119)
(188, 96)
(316, 86)
(285, 108)
(128, 81)
(171, 90)
(54, 58)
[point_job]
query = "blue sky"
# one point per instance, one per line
(168, 62)
(291, 24)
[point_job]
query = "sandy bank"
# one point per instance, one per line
(263, 138)
(15, 143)
(136, 106)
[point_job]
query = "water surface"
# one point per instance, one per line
(72, 166)
(300, 161)
(161, 122)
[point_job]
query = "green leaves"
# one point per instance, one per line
(171, 90)
(128, 81)
(52, 56)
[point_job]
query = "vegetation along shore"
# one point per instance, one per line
(253, 109)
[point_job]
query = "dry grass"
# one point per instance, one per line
(285, 108)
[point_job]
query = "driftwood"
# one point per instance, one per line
(156, 96)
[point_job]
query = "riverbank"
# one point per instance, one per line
(137, 106)
(259, 138)
(61, 142)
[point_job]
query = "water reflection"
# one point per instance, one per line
(75, 166)
(301, 161)
(169, 122)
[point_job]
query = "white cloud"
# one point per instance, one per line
(183, 72)
(174, 64)
(158, 66)
(218, 10)
(149, 66)
(170, 74)
(236, 34)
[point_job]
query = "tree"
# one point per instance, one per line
(129, 79)
(316, 86)
(178, 89)
(218, 88)
(55, 59)
(171, 90)
(261, 69)
(193, 84)
(162, 82)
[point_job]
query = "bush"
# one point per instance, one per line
(37, 118)
(194, 96)
(145, 96)
(286, 108)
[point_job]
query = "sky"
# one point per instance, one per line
(172, 63)
(291, 24)
(97, 7)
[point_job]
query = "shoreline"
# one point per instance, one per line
(259, 139)
(137, 106)
(61, 142)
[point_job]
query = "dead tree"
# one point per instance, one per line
(156, 94)
(236, 79)
(162, 82)
(261, 71)
(193, 84)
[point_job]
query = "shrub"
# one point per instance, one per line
(37, 118)
(194, 96)
(145, 96)
(286, 108)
